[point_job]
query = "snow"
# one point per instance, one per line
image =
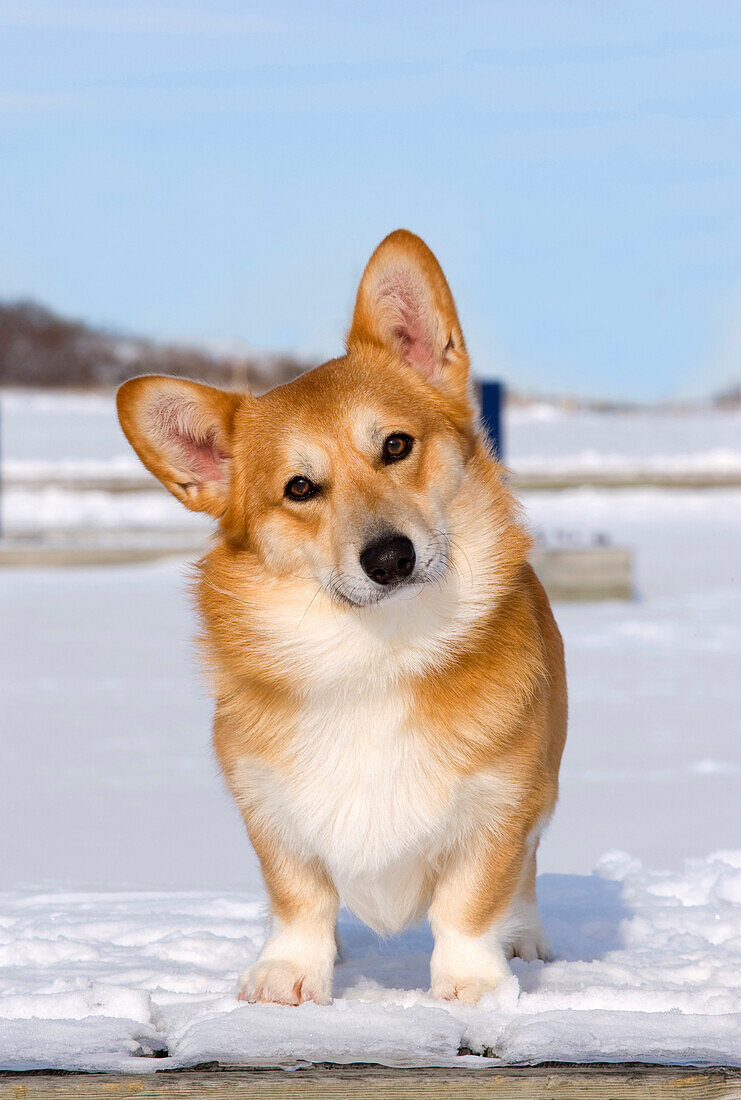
(54, 427)
(88, 468)
(79, 433)
(349, 1031)
(694, 440)
(719, 460)
(28, 510)
(648, 968)
(133, 900)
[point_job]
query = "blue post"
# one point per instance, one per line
(492, 408)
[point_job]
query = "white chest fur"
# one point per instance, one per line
(365, 793)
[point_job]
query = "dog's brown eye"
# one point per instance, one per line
(396, 446)
(300, 488)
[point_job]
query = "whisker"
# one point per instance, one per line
(318, 591)
(457, 546)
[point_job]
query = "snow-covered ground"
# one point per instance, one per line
(648, 969)
(545, 439)
(107, 784)
(52, 426)
(26, 511)
(78, 434)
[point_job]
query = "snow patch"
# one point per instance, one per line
(647, 968)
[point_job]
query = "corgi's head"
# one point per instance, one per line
(347, 474)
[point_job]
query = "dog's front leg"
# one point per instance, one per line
(471, 914)
(297, 961)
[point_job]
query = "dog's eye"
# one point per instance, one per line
(396, 446)
(300, 488)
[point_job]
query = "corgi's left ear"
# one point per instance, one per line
(404, 304)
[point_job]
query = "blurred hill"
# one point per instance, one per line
(40, 348)
(729, 398)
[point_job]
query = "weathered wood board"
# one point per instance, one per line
(347, 1082)
(589, 573)
(520, 481)
(100, 546)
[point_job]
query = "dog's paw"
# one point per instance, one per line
(284, 983)
(467, 990)
(529, 946)
(465, 968)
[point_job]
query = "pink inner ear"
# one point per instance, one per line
(415, 347)
(203, 457)
(193, 443)
(409, 320)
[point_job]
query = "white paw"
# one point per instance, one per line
(275, 981)
(529, 948)
(464, 968)
(468, 990)
(528, 943)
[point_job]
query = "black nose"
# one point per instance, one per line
(388, 559)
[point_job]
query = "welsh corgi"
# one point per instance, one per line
(388, 675)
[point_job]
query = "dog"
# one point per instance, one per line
(388, 675)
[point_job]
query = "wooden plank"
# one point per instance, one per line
(348, 1082)
(42, 557)
(134, 482)
(541, 480)
(83, 546)
(523, 481)
(588, 573)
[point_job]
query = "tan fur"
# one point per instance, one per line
(399, 750)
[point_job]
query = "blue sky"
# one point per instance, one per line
(221, 171)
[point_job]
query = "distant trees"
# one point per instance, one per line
(40, 348)
(729, 398)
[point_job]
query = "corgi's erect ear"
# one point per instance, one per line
(182, 433)
(404, 303)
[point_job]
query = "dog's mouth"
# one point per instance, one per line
(391, 573)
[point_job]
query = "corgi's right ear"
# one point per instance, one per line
(182, 432)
